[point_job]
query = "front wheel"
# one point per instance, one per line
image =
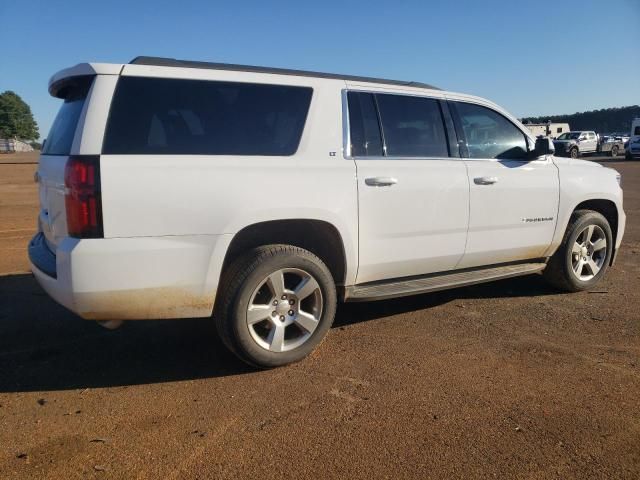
(584, 255)
(278, 302)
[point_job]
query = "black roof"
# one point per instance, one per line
(172, 62)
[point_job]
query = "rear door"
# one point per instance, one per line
(55, 153)
(513, 200)
(591, 144)
(413, 196)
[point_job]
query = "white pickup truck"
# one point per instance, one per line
(576, 143)
(174, 189)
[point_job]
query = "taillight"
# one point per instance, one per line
(82, 196)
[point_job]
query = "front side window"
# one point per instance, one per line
(490, 135)
(412, 126)
(196, 117)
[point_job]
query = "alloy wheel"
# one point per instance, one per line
(589, 252)
(285, 309)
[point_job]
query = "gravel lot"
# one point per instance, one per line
(506, 380)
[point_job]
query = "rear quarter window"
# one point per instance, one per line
(63, 129)
(197, 117)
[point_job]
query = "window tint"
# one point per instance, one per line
(363, 125)
(63, 129)
(636, 131)
(412, 126)
(489, 134)
(169, 116)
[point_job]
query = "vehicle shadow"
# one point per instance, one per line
(44, 347)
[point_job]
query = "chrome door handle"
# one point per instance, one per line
(380, 181)
(485, 180)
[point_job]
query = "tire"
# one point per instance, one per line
(292, 327)
(614, 151)
(563, 270)
(574, 153)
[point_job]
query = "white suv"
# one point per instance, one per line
(173, 189)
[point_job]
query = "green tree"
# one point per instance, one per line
(16, 119)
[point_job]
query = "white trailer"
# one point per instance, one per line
(551, 130)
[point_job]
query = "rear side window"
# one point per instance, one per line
(196, 117)
(490, 135)
(63, 129)
(363, 124)
(636, 131)
(412, 126)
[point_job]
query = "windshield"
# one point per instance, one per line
(569, 136)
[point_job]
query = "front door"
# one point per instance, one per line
(513, 201)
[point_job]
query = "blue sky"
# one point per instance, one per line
(534, 58)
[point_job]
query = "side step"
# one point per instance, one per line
(434, 282)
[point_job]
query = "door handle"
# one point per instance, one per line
(485, 180)
(380, 181)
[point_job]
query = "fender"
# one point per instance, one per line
(582, 181)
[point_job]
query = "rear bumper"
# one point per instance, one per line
(132, 278)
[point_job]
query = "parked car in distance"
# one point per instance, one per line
(576, 143)
(610, 145)
(623, 137)
(633, 150)
(262, 197)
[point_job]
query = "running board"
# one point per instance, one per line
(435, 282)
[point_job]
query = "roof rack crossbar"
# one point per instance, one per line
(172, 62)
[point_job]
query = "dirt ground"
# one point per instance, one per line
(503, 380)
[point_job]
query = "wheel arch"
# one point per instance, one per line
(320, 237)
(606, 208)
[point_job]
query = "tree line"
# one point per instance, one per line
(606, 120)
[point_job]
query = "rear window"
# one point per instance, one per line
(363, 122)
(63, 129)
(196, 117)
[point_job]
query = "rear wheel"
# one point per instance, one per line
(584, 255)
(574, 153)
(614, 151)
(278, 302)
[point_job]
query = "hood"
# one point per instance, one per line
(574, 162)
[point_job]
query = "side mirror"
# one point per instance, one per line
(544, 146)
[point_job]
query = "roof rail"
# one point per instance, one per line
(172, 62)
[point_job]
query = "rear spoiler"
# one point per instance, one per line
(59, 79)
